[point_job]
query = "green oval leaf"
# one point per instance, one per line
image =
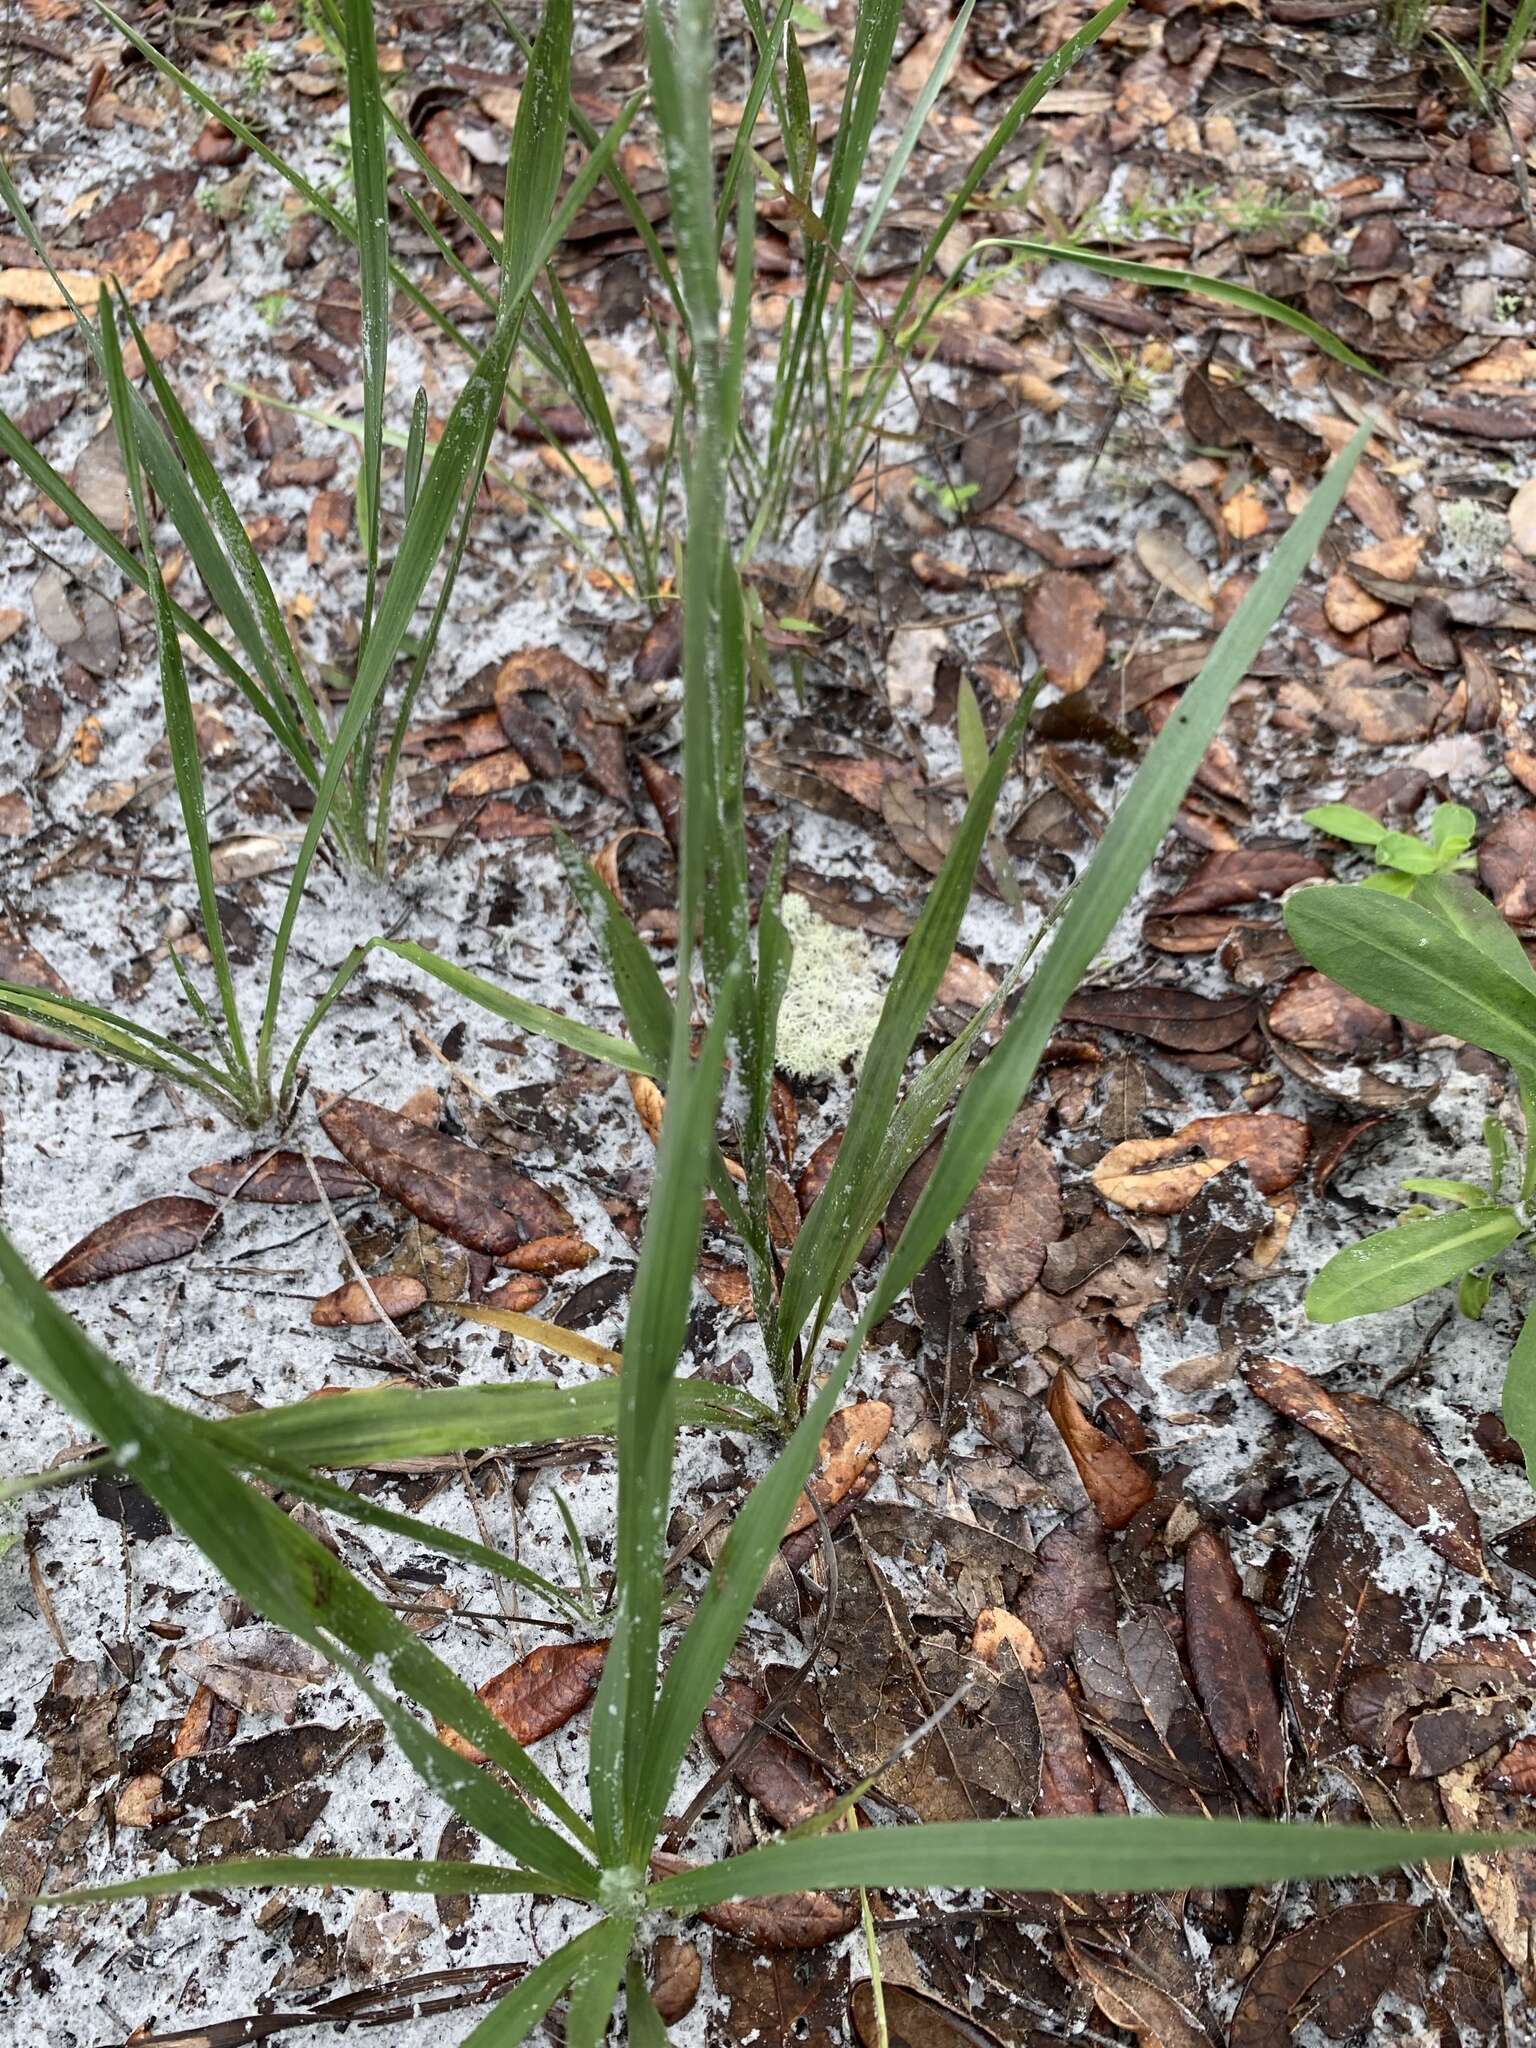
(1399, 1265)
(1398, 954)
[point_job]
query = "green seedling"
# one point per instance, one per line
(1439, 954)
(1402, 857)
(949, 500)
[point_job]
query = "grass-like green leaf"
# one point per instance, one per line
(654, 1333)
(381, 1426)
(1412, 962)
(370, 191)
(989, 1101)
(1393, 1266)
(533, 177)
(514, 2018)
(827, 1246)
(1225, 291)
(180, 729)
(1520, 1393)
(284, 1572)
(1112, 1853)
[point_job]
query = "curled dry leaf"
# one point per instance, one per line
(1232, 1669)
(785, 1785)
(797, 1920)
(471, 1196)
(1506, 866)
(23, 963)
(650, 1104)
(547, 1256)
(997, 1631)
(849, 1441)
(282, 1179)
(397, 1294)
(1385, 1452)
(1168, 562)
(595, 720)
(1153, 1177)
(1112, 1479)
(150, 1234)
(537, 1694)
(519, 1294)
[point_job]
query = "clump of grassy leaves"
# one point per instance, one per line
(649, 1704)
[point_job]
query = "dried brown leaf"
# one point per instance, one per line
(1232, 1669)
(1112, 1479)
(537, 1694)
(149, 1234)
(1383, 1450)
(471, 1196)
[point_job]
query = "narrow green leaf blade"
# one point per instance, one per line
(1110, 1853)
(1224, 290)
(1520, 1393)
(991, 1099)
(370, 189)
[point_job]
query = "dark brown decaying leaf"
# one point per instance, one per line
(1330, 1972)
(1015, 1213)
(1232, 1669)
(913, 2020)
(23, 963)
(1227, 415)
(397, 1294)
(1061, 622)
(797, 1920)
(773, 1995)
(279, 1178)
(471, 1196)
(785, 1785)
(1343, 1620)
(1174, 1017)
(150, 1234)
(1315, 1013)
(1384, 1451)
(595, 720)
(1112, 1479)
(537, 1694)
(1246, 876)
(676, 1973)
(1140, 1707)
(1131, 1991)
(1506, 866)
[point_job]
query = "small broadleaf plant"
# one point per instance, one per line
(1438, 953)
(1400, 856)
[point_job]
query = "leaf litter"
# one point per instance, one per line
(1120, 1557)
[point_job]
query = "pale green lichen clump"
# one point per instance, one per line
(832, 1002)
(1473, 535)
